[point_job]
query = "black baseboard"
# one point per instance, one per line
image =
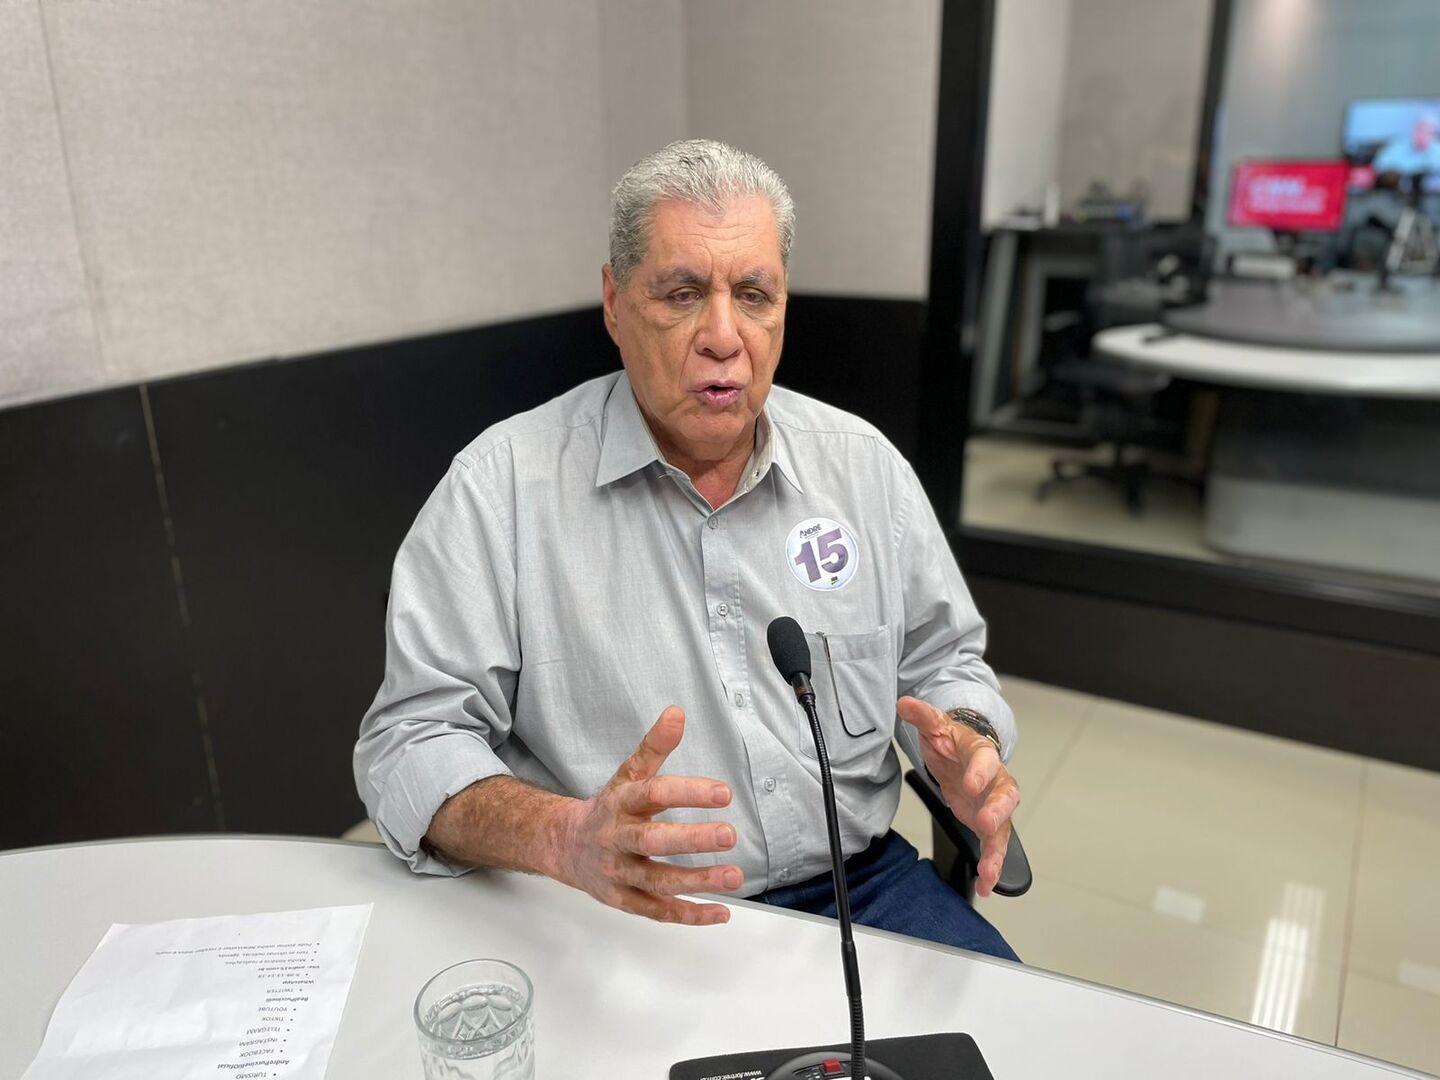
(101, 733)
(290, 485)
(209, 669)
(859, 355)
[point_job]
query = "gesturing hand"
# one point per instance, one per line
(610, 838)
(980, 790)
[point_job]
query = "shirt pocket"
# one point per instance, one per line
(854, 680)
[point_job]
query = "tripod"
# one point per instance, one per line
(1413, 246)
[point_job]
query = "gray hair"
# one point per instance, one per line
(701, 172)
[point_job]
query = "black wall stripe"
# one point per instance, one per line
(289, 487)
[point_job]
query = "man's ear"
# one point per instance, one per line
(610, 294)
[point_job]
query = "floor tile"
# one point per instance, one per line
(1391, 1022)
(1395, 935)
(1201, 824)
(1076, 932)
(1049, 720)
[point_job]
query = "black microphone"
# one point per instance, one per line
(952, 1056)
(791, 653)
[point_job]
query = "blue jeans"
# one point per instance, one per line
(892, 888)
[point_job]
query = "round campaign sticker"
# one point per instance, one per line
(822, 554)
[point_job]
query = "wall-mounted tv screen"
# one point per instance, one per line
(1394, 135)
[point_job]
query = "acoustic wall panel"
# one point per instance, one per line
(273, 178)
(47, 338)
(642, 55)
(839, 97)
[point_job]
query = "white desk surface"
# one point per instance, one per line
(611, 989)
(1303, 370)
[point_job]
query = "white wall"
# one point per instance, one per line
(216, 183)
(1291, 68)
(1134, 86)
(1085, 90)
(272, 179)
(275, 178)
(642, 51)
(1027, 101)
(839, 97)
(47, 337)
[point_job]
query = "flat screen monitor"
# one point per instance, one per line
(1289, 196)
(1395, 135)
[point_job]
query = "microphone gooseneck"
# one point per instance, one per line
(791, 653)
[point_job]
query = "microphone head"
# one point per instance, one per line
(788, 648)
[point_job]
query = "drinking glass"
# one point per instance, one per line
(476, 1021)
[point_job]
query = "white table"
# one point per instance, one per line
(1310, 371)
(611, 989)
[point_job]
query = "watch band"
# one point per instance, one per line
(975, 722)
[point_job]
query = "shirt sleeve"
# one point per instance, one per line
(943, 655)
(452, 657)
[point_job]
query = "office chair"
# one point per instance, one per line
(957, 849)
(1139, 273)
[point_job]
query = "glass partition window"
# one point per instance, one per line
(1247, 376)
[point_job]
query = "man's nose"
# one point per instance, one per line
(718, 336)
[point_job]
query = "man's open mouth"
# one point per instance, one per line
(719, 394)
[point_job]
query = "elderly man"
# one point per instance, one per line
(616, 555)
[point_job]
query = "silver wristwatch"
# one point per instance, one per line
(975, 722)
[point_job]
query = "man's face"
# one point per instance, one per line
(700, 325)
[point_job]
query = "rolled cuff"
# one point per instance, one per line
(429, 773)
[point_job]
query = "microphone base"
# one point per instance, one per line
(949, 1056)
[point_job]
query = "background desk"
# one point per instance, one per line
(1313, 371)
(1340, 467)
(611, 989)
(1340, 313)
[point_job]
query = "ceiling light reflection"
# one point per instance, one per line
(1287, 970)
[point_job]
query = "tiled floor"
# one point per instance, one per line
(1265, 880)
(1248, 876)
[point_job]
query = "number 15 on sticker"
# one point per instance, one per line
(822, 554)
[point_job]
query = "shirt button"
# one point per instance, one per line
(714, 522)
(769, 783)
(723, 609)
(784, 875)
(739, 701)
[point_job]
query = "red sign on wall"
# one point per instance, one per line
(1289, 196)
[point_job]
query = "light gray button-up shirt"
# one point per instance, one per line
(564, 584)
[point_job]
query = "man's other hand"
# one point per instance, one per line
(980, 790)
(611, 839)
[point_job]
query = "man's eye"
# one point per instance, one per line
(754, 297)
(685, 296)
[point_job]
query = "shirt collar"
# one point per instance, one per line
(626, 444)
(775, 450)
